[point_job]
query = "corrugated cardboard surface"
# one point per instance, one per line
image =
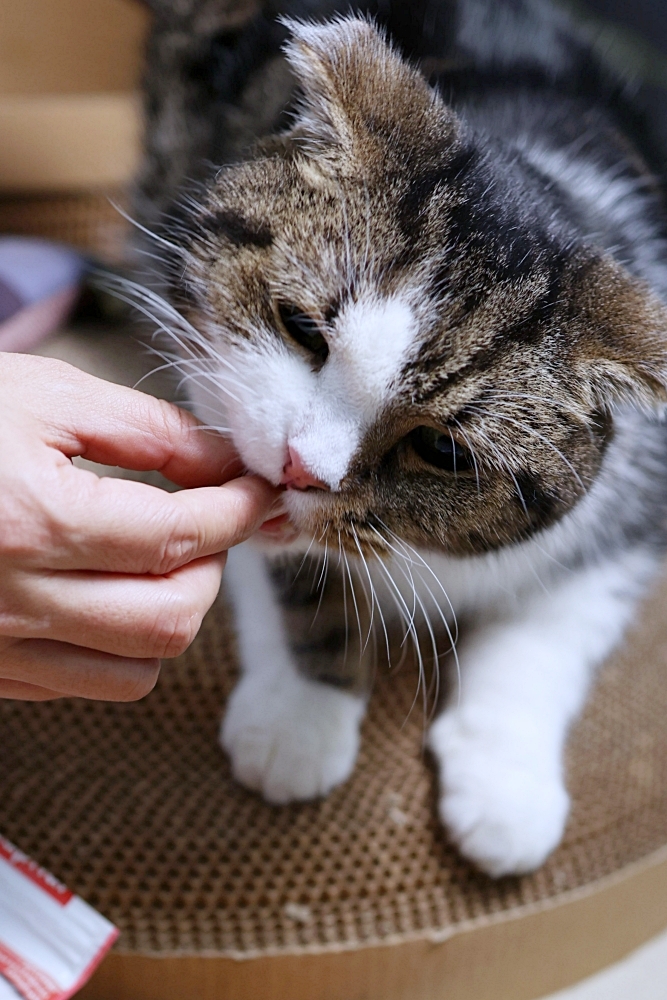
(359, 896)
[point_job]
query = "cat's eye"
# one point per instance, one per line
(441, 449)
(305, 331)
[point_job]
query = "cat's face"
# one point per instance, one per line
(389, 318)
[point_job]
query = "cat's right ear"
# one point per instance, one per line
(363, 106)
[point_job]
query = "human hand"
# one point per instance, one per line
(101, 577)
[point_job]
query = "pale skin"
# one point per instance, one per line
(100, 578)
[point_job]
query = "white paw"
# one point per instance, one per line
(504, 807)
(291, 738)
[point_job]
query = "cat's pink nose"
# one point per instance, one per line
(296, 476)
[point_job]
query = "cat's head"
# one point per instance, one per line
(398, 325)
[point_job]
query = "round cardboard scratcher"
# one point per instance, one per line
(133, 806)
(87, 220)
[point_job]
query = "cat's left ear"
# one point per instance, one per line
(363, 107)
(621, 347)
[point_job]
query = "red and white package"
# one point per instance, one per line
(50, 940)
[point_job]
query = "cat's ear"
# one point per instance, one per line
(621, 347)
(362, 105)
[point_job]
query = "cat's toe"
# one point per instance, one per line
(505, 813)
(296, 741)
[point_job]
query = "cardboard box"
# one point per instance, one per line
(69, 113)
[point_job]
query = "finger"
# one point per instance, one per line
(26, 692)
(114, 425)
(128, 616)
(116, 525)
(67, 670)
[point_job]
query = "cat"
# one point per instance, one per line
(419, 252)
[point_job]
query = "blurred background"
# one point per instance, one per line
(69, 114)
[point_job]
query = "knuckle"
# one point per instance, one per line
(175, 629)
(172, 424)
(182, 543)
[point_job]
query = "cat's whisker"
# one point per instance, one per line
(160, 310)
(322, 580)
(177, 364)
(395, 592)
(303, 561)
(407, 548)
(354, 602)
(434, 646)
(421, 563)
(347, 627)
(145, 229)
(373, 599)
(202, 369)
(380, 612)
(411, 555)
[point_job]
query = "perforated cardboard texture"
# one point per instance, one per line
(134, 807)
(91, 221)
(221, 897)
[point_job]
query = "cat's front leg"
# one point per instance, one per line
(292, 723)
(499, 744)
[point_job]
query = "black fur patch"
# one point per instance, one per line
(241, 232)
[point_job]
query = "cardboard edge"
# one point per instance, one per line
(521, 957)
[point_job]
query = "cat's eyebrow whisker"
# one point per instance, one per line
(531, 430)
(299, 263)
(501, 395)
(367, 248)
(501, 462)
(472, 452)
(346, 236)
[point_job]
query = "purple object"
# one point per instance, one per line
(39, 284)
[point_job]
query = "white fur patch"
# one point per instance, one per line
(288, 737)
(500, 743)
(277, 400)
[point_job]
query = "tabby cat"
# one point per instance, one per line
(414, 258)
